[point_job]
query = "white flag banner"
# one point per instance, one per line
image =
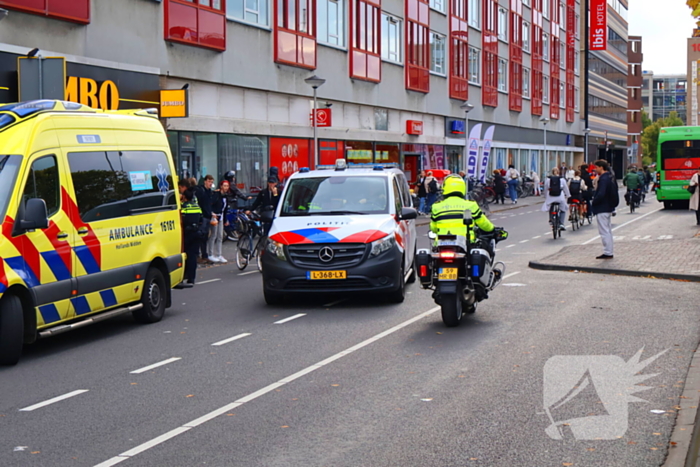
(486, 152)
(473, 150)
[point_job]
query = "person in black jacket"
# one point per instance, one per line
(267, 200)
(604, 202)
(234, 193)
(191, 224)
(204, 199)
(499, 186)
(422, 193)
(588, 192)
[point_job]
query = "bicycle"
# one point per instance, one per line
(633, 199)
(555, 220)
(575, 214)
(245, 250)
(237, 224)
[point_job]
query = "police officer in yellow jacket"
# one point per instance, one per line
(447, 216)
(193, 232)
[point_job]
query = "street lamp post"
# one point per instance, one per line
(315, 82)
(467, 107)
(585, 145)
(544, 121)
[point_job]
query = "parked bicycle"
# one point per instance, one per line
(247, 248)
(235, 224)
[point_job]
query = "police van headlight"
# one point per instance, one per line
(382, 245)
(277, 249)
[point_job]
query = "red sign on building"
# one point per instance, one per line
(599, 25)
(323, 117)
(414, 127)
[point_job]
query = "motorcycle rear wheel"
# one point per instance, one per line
(451, 306)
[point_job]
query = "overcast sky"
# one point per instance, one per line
(664, 26)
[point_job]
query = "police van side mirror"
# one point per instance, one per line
(468, 219)
(408, 213)
(35, 215)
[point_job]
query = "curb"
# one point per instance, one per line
(617, 272)
(684, 444)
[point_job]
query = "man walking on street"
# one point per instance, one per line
(604, 202)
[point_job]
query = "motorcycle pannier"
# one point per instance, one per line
(478, 262)
(424, 268)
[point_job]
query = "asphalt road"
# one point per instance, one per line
(352, 381)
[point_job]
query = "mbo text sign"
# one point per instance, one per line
(599, 25)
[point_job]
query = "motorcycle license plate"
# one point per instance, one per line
(315, 275)
(447, 274)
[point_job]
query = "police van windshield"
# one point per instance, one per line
(8, 172)
(336, 195)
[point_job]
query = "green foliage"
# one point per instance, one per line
(650, 134)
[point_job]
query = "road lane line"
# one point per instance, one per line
(206, 282)
(155, 365)
(510, 246)
(547, 232)
(246, 273)
(282, 321)
(510, 275)
(523, 241)
(231, 339)
(537, 237)
(222, 410)
(54, 400)
(622, 225)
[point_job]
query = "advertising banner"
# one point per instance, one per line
(599, 25)
(486, 152)
(288, 155)
(472, 151)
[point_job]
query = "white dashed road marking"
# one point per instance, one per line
(537, 237)
(246, 273)
(206, 282)
(54, 400)
(523, 241)
(510, 275)
(231, 339)
(282, 321)
(510, 246)
(155, 365)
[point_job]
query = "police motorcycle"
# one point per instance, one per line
(460, 272)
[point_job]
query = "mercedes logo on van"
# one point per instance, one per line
(326, 254)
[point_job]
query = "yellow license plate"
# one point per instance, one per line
(326, 275)
(447, 274)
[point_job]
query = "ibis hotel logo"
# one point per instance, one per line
(599, 25)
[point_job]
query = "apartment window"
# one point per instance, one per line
(545, 8)
(577, 25)
(474, 65)
(545, 46)
(474, 11)
(391, 38)
(577, 57)
(562, 54)
(526, 36)
(295, 33)
(562, 15)
(200, 24)
(562, 95)
(459, 50)
(502, 75)
(438, 5)
(330, 18)
(365, 34)
(576, 99)
(545, 89)
(250, 11)
(437, 53)
(503, 24)
(76, 11)
(526, 82)
(417, 45)
(526, 2)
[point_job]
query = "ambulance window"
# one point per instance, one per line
(121, 183)
(9, 166)
(43, 183)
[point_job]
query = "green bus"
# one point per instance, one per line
(678, 157)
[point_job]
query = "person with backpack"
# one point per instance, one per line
(556, 191)
(588, 181)
(432, 188)
(512, 176)
(605, 200)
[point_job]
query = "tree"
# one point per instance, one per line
(650, 135)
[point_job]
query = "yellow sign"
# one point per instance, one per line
(87, 91)
(173, 103)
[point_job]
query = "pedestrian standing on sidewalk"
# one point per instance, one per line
(431, 188)
(536, 180)
(513, 175)
(216, 230)
(422, 192)
(204, 199)
(605, 200)
(499, 186)
(191, 224)
(695, 197)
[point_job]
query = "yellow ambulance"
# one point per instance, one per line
(90, 219)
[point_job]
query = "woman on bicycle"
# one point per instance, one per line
(557, 191)
(577, 187)
(499, 186)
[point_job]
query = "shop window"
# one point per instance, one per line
(359, 152)
(249, 11)
(202, 24)
(119, 184)
(43, 183)
(391, 38)
(295, 33)
(417, 46)
(331, 22)
(247, 156)
(459, 50)
(387, 153)
(437, 53)
(365, 31)
(289, 155)
(76, 11)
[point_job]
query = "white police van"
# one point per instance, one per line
(342, 229)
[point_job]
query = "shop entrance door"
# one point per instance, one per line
(186, 165)
(411, 164)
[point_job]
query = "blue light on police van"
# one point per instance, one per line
(304, 170)
(378, 167)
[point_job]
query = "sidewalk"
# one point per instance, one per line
(661, 259)
(496, 208)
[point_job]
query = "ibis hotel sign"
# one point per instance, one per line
(599, 25)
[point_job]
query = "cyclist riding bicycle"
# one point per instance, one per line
(267, 200)
(557, 191)
(634, 183)
(577, 186)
